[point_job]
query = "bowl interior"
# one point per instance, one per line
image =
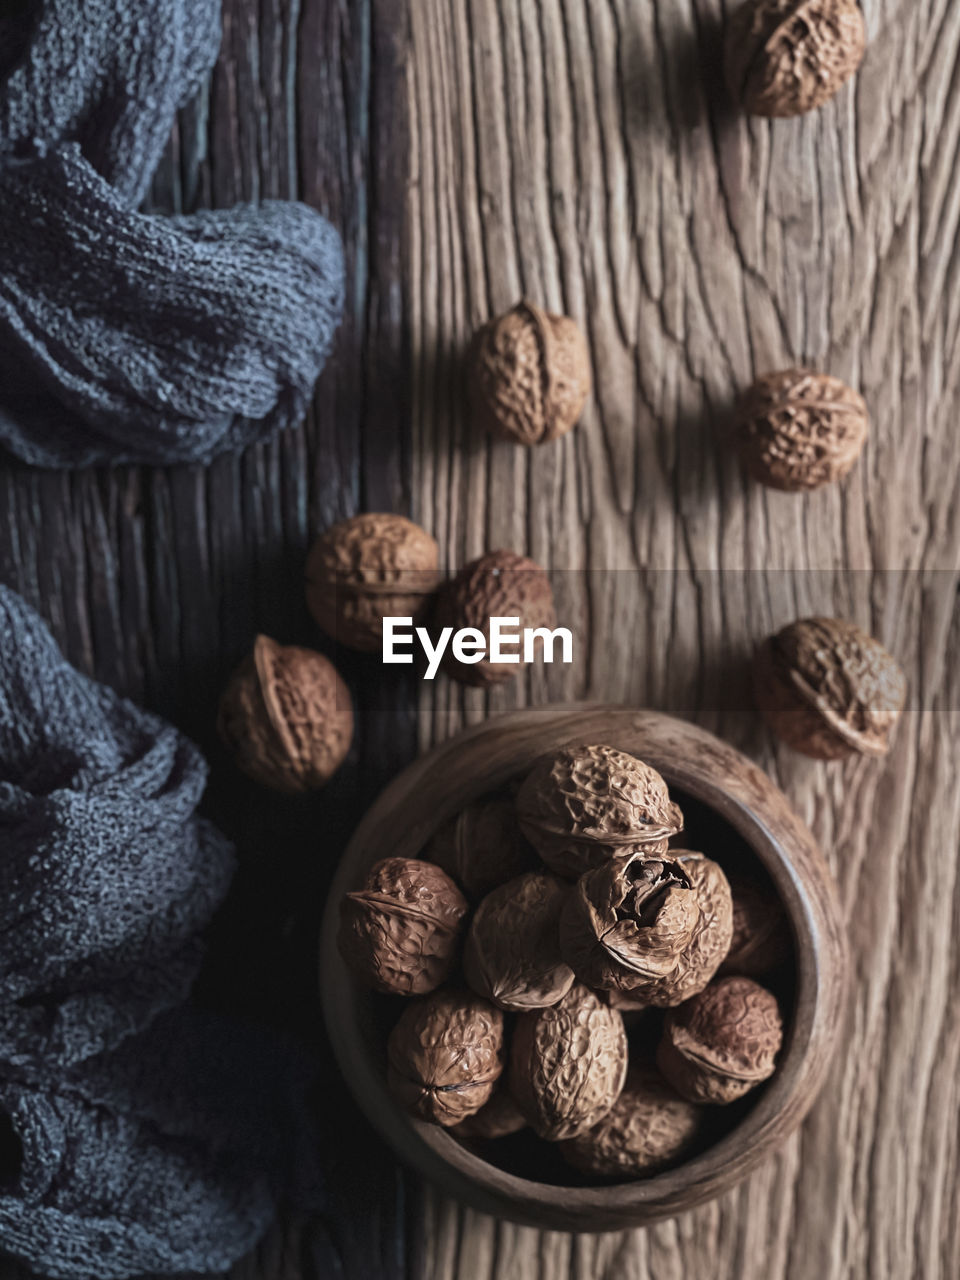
(525, 1158)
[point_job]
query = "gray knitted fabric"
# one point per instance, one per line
(126, 337)
(136, 1134)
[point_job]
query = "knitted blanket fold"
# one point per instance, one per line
(136, 1133)
(126, 337)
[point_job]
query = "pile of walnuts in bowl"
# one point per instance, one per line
(570, 971)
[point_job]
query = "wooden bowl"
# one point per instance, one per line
(739, 798)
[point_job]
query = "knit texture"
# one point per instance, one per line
(137, 1134)
(126, 337)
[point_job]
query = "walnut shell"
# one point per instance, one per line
(630, 1006)
(582, 805)
(399, 934)
(444, 1056)
(628, 921)
(512, 952)
(798, 430)
(648, 1126)
(828, 689)
(286, 717)
(367, 568)
(786, 57)
(722, 1043)
(483, 846)
(708, 946)
(760, 941)
(568, 1064)
(499, 584)
(529, 375)
(497, 1118)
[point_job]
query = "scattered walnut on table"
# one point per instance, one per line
(499, 584)
(529, 375)
(787, 57)
(797, 430)
(286, 717)
(828, 689)
(367, 568)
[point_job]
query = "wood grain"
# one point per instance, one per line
(157, 581)
(585, 154)
(582, 151)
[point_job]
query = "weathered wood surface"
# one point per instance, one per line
(157, 581)
(583, 152)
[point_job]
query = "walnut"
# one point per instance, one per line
(629, 1005)
(798, 430)
(828, 689)
(786, 57)
(704, 953)
(722, 1043)
(568, 1064)
(365, 569)
(445, 1055)
(582, 805)
(286, 717)
(399, 933)
(628, 921)
(649, 1126)
(499, 584)
(761, 938)
(497, 1118)
(482, 846)
(512, 953)
(529, 375)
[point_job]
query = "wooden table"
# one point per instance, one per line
(583, 152)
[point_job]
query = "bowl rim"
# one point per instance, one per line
(781, 1106)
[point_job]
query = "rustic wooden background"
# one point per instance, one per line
(582, 152)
